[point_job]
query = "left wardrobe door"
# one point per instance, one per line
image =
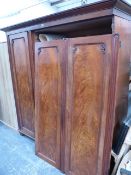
(49, 99)
(20, 60)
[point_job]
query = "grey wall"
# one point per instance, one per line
(7, 103)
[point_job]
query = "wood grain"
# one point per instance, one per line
(48, 101)
(88, 77)
(20, 62)
(86, 117)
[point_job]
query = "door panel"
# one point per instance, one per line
(20, 61)
(86, 117)
(89, 63)
(49, 100)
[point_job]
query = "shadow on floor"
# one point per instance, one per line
(17, 155)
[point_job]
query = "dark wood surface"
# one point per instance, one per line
(22, 82)
(90, 98)
(122, 26)
(89, 106)
(49, 100)
(31, 43)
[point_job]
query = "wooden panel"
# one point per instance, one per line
(49, 100)
(7, 103)
(88, 85)
(20, 62)
(122, 26)
(88, 88)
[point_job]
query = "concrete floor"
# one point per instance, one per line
(17, 155)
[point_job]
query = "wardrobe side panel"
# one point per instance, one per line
(123, 27)
(22, 80)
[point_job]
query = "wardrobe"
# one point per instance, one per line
(71, 92)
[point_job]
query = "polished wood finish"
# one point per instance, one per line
(49, 100)
(22, 78)
(90, 62)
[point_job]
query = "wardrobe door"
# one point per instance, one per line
(22, 81)
(91, 72)
(49, 100)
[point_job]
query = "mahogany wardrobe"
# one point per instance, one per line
(71, 92)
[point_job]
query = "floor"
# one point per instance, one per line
(17, 155)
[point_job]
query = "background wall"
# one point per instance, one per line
(2, 37)
(7, 103)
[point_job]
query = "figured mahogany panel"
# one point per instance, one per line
(89, 64)
(49, 100)
(21, 69)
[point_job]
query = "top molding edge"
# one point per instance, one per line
(100, 5)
